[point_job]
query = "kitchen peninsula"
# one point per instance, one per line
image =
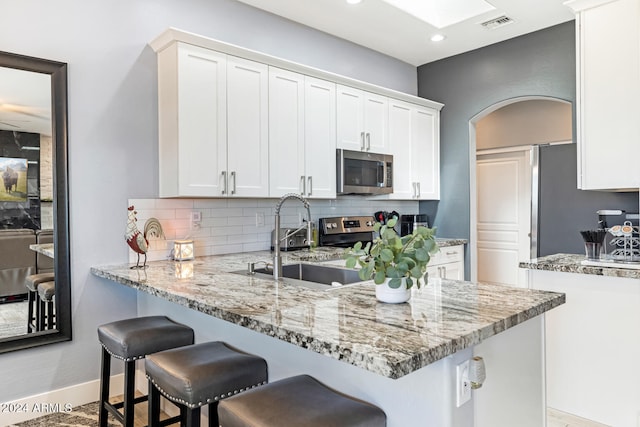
(400, 357)
(592, 348)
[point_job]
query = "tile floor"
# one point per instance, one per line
(557, 418)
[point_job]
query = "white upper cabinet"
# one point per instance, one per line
(191, 81)
(247, 128)
(363, 119)
(320, 138)
(414, 142)
(286, 132)
(213, 124)
(238, 123)
(608, 83)
(302, 133)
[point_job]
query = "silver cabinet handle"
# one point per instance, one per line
(361, 140)
(224, 189)
(368, 141)
(418, 193)
(310, 186)
(233, 175)
(414, 191)
(303, 189)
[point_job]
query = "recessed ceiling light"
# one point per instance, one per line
(354, 1)
(437, 37)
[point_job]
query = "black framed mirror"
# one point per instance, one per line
(19, 126)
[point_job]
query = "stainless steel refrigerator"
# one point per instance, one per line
(559, 209)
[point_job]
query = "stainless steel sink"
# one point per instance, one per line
(310, 275)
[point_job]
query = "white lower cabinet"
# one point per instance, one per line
(448, 263)
(414, 141)
(213, 138)
(302, 135)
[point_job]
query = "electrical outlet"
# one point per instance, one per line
(259, 219)
(463, 385)
(196, 218)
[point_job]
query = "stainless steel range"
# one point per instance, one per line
(345, 231)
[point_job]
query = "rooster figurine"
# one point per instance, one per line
(139, 241)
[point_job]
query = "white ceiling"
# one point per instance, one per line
(25, 101)
(380, 26)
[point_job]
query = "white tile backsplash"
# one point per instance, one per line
(229, 225)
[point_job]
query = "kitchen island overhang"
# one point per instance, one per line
(346, 324)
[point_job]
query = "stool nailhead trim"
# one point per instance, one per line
(126, 359)
(199, 404)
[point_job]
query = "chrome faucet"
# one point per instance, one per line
(277, 258)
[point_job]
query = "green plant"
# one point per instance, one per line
(394, 257)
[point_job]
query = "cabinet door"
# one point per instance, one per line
(192, 144)
(376, 119)
(425, 153)
(609, 88)
(350, 126)
(453, 271)
(247, 128)
(320, 138)
(400, 134)
(286, 132)
(414, 143)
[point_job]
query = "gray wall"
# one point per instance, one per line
(113, 135)
(540, 63)
(536, 64)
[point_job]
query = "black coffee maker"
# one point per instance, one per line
(409, 222)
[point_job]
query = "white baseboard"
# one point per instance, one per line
(61, 400)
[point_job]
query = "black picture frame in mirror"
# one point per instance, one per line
(59, 116)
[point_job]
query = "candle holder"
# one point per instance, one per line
(183, 250)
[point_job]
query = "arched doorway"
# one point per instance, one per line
(504, 142)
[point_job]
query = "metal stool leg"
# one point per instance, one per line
(129, 393)
(193, 417)
(154, 406)
(31, 319)
(213, 415)
(104, 387)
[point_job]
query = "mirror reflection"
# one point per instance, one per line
(34, 284)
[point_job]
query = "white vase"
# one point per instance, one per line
(390, 295)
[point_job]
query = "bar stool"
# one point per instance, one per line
(129, 340)
(33, 305)
(298, 401)
(198, 375)
(46, 291)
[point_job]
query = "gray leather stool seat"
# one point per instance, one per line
(298, 401)
(129, 340)
(198, 375)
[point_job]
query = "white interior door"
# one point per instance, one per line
(503, 182)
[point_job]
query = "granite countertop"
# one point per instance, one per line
(572, 263)
(345, 323)
(44, 249)
(450, 242)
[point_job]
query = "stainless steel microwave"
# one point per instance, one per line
(364, 173)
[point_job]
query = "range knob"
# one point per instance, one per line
(369, 223)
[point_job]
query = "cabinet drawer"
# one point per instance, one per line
(447, 254)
